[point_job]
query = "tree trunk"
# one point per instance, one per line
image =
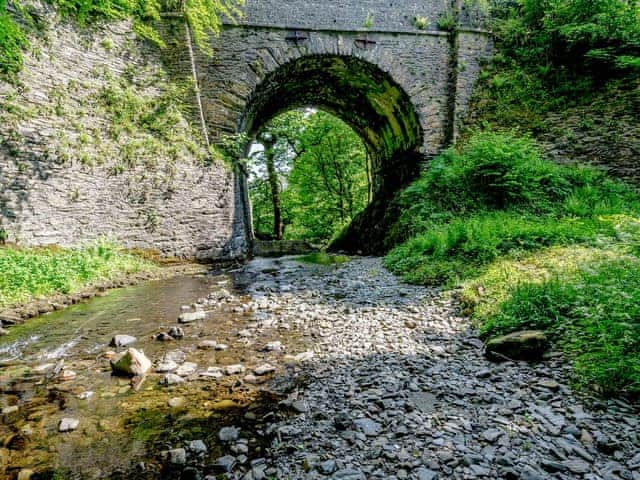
(275, 195)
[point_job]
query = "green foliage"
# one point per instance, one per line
(533, 245)
(498, 171)
(322, 167)
(203, 16)
(420, 22)
(154, 125)
(29, 273)
(12, 41)
(369, 22)
(593, 312)
(557, 54)
(579, 34)
(464, 246)
(448, 21)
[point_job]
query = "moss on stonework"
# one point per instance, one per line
(355, 90)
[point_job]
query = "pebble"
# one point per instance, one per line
(273, 346)
(176, 402)
(68, 424)
(228, 434)
(189, 317)
(177, 456)
(176, 332)
(264, 369)
(123, 341)
(186, 369)
(234, 369)
(171, 379)
(207, 345)
(166, 366)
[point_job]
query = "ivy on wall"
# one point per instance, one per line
(203, 16)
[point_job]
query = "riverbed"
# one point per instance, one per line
(296, 372)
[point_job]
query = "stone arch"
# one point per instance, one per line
(394, 88)
(358, 92)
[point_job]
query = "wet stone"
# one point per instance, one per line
(176, 332)
(171, 379)
(166, 367)
(264, 369)
(186, 369)
(234, 369)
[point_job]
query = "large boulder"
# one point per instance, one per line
(131, 363)
(525, 345)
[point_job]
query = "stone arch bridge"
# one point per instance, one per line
(400, 72)
(383, 66)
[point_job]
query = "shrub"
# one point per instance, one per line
(593, 314)
(203, 16)
(495, 171)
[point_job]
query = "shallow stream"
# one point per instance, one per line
(57, 366)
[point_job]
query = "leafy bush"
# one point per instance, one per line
(497, 196)
(554, 55)
(12, 41)
(495, 171)
(584, 35)
(593, 313)
(533, 245)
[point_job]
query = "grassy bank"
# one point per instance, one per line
(533, 245)
(26, 274)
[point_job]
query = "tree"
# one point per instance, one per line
(309, 177)
(270, 164)
(328, 184)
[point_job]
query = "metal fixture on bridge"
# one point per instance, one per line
(297, 37)
(365, 42)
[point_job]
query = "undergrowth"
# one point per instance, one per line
(533, 245)
(555, 55)
(28, 273)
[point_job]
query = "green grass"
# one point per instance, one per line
(322, 258)
(590, 308)
(533, 245)
(26, 274)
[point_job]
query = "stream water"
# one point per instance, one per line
(57, 366)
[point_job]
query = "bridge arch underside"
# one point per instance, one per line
(372, 103)
(359, 93)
